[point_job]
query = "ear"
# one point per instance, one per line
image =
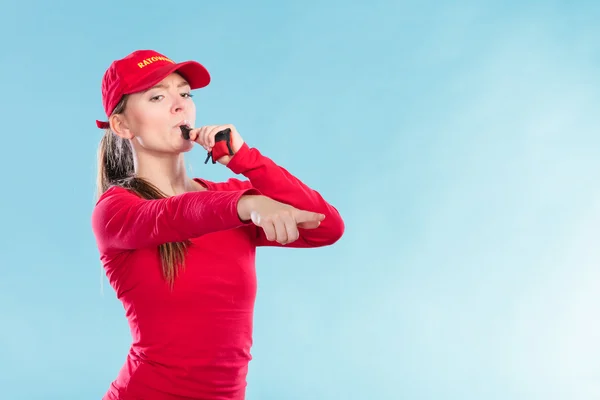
(118, 124)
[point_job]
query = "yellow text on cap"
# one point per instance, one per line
(151, 60)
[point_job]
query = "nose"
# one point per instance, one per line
(178, 104)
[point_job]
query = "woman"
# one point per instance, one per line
(180, 252)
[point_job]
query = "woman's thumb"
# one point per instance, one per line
(308, 219)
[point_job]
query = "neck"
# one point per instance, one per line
(166, 172)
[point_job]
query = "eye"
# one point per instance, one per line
(156, 98)
(187, 95)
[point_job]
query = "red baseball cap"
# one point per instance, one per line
(141, 70)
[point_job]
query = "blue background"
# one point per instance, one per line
(459, 141)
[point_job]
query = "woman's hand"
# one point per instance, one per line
(205, 137)
(279, 221)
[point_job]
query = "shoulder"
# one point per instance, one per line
(113, 199)
(116, 193)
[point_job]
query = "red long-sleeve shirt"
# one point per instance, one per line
(193, 342)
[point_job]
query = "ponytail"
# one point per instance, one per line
(116, 168)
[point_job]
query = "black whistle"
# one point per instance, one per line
(224, 135)
(185, 131)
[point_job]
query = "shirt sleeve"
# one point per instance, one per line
(277, 183)
(121, 220)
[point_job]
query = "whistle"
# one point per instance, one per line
(185, 131)
(222, 143)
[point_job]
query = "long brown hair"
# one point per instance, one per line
(116, 168)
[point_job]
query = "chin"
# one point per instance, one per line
(185, 147)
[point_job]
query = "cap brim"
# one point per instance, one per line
(192, 71)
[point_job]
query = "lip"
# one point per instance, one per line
(183, 123)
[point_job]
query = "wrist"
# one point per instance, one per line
(245, 206)
(239, 161)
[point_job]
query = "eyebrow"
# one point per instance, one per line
(162, 86)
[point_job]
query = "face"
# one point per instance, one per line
(152, 118)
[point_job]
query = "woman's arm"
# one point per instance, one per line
(122, 220)
(278, 184)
